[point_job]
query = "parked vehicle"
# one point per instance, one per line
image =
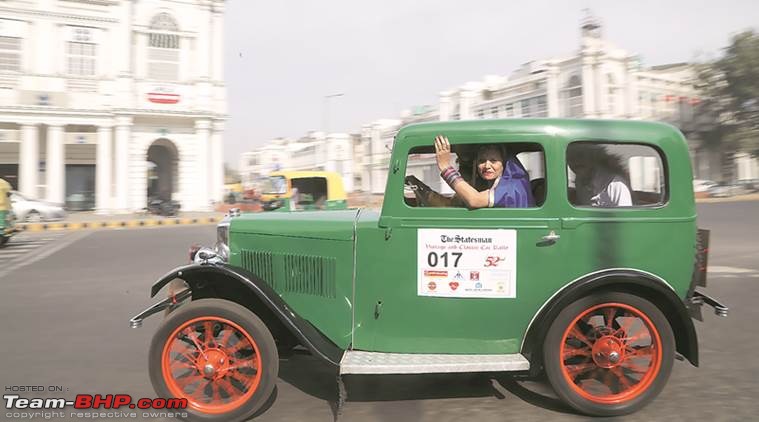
(32, 210)
(703, 185)
(163, 207)
(81, 201)
(303, 190)
(7, 218)
(599, 299)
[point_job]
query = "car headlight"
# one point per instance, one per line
(222, 240)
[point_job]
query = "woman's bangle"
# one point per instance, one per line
(451, 176)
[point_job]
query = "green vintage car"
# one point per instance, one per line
(593, 283)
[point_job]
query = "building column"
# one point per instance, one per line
(588, 87)
(217, 161)
(466, 101)
(123, 137)
(202, 136)
(444, 111)
(55, 167)
(217, 37)
(103, 171)
(28, 169)
(552, 93)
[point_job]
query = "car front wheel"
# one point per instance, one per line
(219, 356)
(609, 354)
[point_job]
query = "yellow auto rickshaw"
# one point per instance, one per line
(303, 190)
(7, 220)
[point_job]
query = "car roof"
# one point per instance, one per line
(471, 131)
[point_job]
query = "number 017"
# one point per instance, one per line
(433, 258)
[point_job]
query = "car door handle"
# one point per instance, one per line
(551, 237)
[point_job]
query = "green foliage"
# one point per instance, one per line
(730, 85)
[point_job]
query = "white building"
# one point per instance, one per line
(123, 99)
(598, 80)
(315, 151)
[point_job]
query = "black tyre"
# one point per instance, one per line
(4, 240)
(219, 356)
(609, 354)
(33, 217)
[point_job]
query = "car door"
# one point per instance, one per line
(454, 280)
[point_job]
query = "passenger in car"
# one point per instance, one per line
(600, 177)
(501, 180)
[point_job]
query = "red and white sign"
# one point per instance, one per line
(160, 98)
(163, 95)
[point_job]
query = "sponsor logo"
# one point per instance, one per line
(500, 287)
(433, 273)
(478, 285)
(492, 261)
(458, 276)
(454, 285)
(432, 285)
(464, 239)
(474, 275)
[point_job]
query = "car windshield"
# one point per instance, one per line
(275, 184)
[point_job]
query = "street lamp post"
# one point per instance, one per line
(326, 110)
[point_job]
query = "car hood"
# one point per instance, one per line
(329, 225)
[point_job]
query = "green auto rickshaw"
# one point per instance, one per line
(7, 220)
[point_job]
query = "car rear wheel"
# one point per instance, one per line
(33, 217)
(219, 356)
(609, 354)
(4, 240)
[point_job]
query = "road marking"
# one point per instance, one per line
(21, 253)
(731, 272)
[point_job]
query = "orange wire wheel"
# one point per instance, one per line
(609, 354)
(213, 363)
(219, 356)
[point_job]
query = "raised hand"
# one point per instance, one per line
(442, 152)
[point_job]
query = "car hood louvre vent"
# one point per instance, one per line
(293, 273)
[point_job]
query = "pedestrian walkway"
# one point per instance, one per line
(22, 246)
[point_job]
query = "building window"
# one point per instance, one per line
(573, 97)
(535, 107)
(10, 54)
(163, 48)
(494, 112)
(81, 58)
(509, 110)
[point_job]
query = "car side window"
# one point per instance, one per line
(609, 175)
(518, 161)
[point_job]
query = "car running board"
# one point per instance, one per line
(359, 362)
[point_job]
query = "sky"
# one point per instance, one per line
(283, 57)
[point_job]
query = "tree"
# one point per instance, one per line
(730, 90)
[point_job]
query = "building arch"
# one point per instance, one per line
(162, 157)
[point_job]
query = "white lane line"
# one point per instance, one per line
(74, 237)
(719, 271)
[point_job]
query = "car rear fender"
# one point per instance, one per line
(640, 283)
(234, 284)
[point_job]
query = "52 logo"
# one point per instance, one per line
(492, 261)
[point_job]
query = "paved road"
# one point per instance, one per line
(64, 324)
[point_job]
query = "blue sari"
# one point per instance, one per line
(512, 190)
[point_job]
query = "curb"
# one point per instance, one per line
(116, 224)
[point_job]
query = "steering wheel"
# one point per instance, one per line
(421, 191)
